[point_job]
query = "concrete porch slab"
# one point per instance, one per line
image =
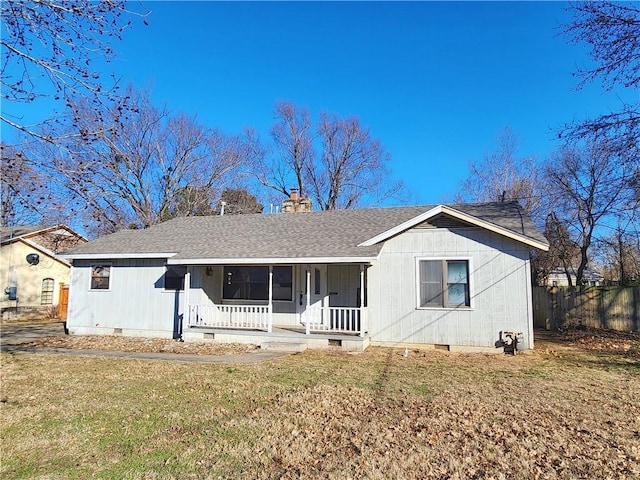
(351, 343)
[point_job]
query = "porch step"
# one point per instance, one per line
(283, 346)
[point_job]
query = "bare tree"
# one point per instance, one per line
(137, 166)
(352, 168)
(15, 187)
(339, 165)
(589, 188)
(292, 143)
(237, 201)
(26, 197)
(612, 30)
(619, 254)
(54, 49)
(563, 252)
(188, 201)
(502, 175)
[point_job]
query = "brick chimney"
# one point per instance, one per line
(295, 204)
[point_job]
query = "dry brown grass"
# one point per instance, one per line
(565, 411)
(134, 344)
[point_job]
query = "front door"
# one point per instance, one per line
(63, 302)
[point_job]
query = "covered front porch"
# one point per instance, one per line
(236, 301)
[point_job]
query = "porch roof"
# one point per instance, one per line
(325, 236)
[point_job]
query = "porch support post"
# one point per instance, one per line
(308, 293)
(362, 309)
(186, 314)
(270, 307)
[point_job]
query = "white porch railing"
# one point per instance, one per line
(335, 319)
(347, 320)
(250, 317)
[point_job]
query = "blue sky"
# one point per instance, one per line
(434, 82)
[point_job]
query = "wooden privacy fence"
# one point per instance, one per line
(617, 308)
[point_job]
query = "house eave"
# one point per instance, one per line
(268, 260)
(46, 251)
(460, 216)
(42, 250)
(115, 256)
(35, 233)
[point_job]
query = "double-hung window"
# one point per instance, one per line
(100, 277)
(443, 283)
(46, 295)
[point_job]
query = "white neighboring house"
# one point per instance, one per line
(34, 278)
(590, 278)
(448, 276)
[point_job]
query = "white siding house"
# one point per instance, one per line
(450, 276)
(498, 282)
(133, 299)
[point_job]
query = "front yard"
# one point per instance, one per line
(569, 410)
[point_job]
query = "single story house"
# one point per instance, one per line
(454, 277)
(34, 278)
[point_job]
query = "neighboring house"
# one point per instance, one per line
(558, 278)
(449, 276)
(33, 277)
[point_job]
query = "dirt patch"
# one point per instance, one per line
(146, 345)
(592, 339)
(29, 321)
(589, 339)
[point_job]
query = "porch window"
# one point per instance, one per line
(46, 295)
(444, 283)
(100, 277)
(252, 283)
(174, 277)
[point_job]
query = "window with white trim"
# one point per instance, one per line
(444, 283)
(243, 282)
(100, 277)
(46, 295)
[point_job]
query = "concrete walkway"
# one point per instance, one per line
(17, 333)
(15, 338)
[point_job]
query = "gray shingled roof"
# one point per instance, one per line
(10, 233)
(326, 234)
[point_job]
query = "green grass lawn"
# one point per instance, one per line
(557, 413)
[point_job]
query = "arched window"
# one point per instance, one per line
(46, 297)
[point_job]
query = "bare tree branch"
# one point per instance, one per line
(52, 49)
(138, 165)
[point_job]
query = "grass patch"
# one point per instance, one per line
(561, 412)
